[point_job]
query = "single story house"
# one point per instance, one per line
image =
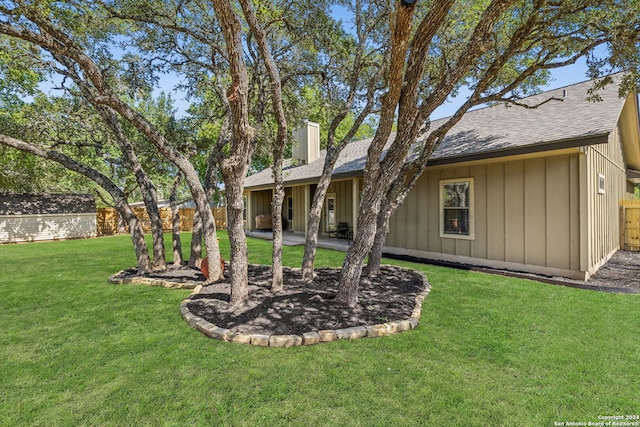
(530, 190)
(34, 217)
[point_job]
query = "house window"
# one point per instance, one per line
(456, 208)
(290, 208)
(600, 183)
(244, 208)
(330, 212)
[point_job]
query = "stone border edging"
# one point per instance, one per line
(116, 280)
(308, 338)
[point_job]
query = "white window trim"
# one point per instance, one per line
(601, 179)
(471, 235)
(326, 211)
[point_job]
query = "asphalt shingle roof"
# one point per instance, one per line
(492, 130)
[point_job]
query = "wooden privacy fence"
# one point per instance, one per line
(630, 225)
(107, 219)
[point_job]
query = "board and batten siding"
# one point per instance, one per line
(259, 203)
(343, 192)
(301, 203)
(606, 160)
(526, 216)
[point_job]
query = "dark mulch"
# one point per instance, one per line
(304, 307)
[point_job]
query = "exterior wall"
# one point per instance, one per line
(260, 203)
(36, 217)
(31, 228)
(603, 207)
(526, 216)
(343, 191)
(300, 207)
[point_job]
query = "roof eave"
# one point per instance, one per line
(528, 149)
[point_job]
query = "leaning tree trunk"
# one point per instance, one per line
(119, 198)
(175, 223)
(150, 198)
(147, 188)
(278, 145)
(375, 255)
(375, 185)
(313, 223)
(137, 235)
(360, 247)
(195, 258)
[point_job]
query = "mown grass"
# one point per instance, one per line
(489, 351)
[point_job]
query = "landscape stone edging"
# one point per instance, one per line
(308, 338)
(117, 280)
(259, 340)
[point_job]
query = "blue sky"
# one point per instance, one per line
(561, 77)
(565, 76)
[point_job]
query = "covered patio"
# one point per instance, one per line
(297, 239)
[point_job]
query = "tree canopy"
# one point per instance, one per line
(255, 70)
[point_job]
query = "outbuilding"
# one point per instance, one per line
(35, 217)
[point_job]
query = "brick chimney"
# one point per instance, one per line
(306, 148)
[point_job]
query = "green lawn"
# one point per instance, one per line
(489, 351)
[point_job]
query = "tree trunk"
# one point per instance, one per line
(276, 220)
(375, 255)
(119, 198)
(150, 198)
(238, 240)
(147, 188)
(67, 52)
(278, 145)
(175, 223)
(361, 245)
(234, 166)
(137, 234)
(196, 241)
(375, 181)
(313, 223)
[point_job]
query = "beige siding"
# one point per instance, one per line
(558, 201)
(514, 212)
(535, 212)
(30, 228)
(299, 209)
(343, 191)
(481, 216)
(526, 216)
(608, 160)
(260, 204)
(495, 212)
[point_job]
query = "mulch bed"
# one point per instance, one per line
(302, 306)
(308, 306)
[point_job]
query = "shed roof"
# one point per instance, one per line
(46, 204)
(569, 119)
